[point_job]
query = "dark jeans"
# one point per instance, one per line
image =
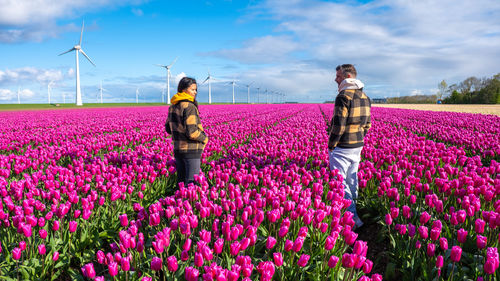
(186, 169)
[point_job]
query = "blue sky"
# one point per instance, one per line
(399, 47)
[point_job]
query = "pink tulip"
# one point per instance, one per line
(198, 259)
(41, 249)
(88, 270)
(348, 260)
(55, 256)
(271, 241)
(278, 258)
(367, 266)
(172, 265)
(443, 243)
(439, 261)
(113, 268)
(481, 242)
(218, 245)
(123, 220)
(303, 260)
(462, 235)
(156, 264)
(332, 261)
(72, 226)
(479, 226)
(16, 253)
(456, 253)
(431, 249)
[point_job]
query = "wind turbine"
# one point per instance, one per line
(248, 94)
(101, 89)
(233, 83)
(78, 49)
(49, 89)
(258, 94)
(267, 96)
(209, 79)
(137, 95)
(167, 67)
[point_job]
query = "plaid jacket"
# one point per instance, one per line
(351, 120)
(184, 125)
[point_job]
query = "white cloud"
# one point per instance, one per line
(6, 94)
(27, 93)
(30, 74)
(138, 12)
(179, 76)
(35, 20)
(397, 45)
(416, 93)
(267, 49)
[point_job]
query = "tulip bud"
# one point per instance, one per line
(172, 265)
(278, 258)
(456, 253)
(16, 253)
(303, 260)
(156, 264)
(88, 270)
(332, 262)
(41, 249)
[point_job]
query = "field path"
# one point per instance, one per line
(468, 108)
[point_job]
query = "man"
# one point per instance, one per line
(349, 125)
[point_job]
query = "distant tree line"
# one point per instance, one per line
(471, 90)
(413, 99)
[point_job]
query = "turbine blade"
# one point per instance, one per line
(205, 80)
(164, 66)
(83, 53)
(81, 34)
(170, 65)
(72, 49)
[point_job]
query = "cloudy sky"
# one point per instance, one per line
(400, 47)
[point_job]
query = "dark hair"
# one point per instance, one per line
(185, 83)
(347, 68)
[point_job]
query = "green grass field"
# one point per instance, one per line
(9, 107)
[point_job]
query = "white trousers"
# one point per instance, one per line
(346, 160)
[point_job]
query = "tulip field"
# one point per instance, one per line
(90, 194)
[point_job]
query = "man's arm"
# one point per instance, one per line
(339, 121)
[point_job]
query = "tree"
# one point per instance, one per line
(442, 89)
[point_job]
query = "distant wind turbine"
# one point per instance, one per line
(233, 83)
(78, 49)
(258, 94)
(49, 89)
(167, 67)
(209, 79)
(101, 89)
(137, 95)
(248, 94)
(267, 96)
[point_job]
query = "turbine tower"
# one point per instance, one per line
(101, 89)
(167, 67)
(49, 89)
(248, 94)
(78, 49)
(137, 95)
(209, 79)
(233, 83)
(258, 94)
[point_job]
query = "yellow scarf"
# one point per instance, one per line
(181, 96)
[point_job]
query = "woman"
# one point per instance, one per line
(184, 125)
